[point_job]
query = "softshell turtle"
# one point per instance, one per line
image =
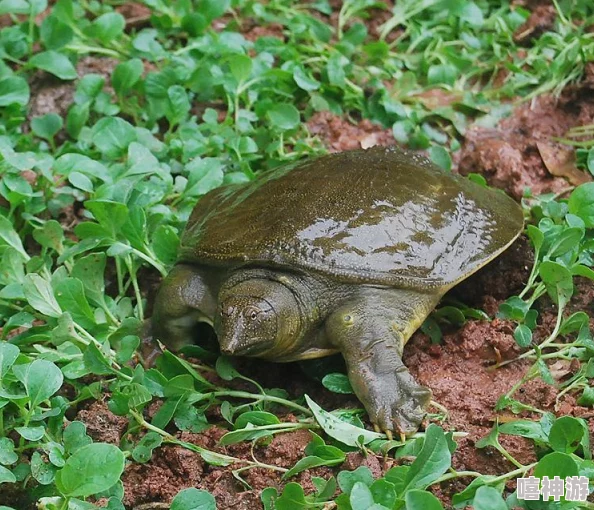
(345, 253)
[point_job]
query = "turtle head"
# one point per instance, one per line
(256, 316)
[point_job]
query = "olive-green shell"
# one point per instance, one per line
(381, 216)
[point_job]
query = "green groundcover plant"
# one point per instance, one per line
(94, 196)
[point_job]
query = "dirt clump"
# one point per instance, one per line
(51, 95)
(338, 134)
(102, 424)
(508, 156)
(171, 469)
(136, 15)
(503, 277)
(541, 20)
(255, 31)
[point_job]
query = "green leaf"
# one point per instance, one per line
(6, 476)
(556, 464)
(14, 7)
(54, 63)
(89, 87)
(472, 14)
(69, 163)
(241, 67)
(318, 454)
(336, 69)
(91, 469)
(442, 74)
(575, 322)
(55, 33)
(524, 428)
(566, 434)
(110, 215)
(292, 498)
(143, 451)
(204, 175)
(212, 9)
(441, 157)
(40, 295)
(165, 244)
(581, 203)
(126, 75)
(558, 281)
(90, 271)
(587, 397)
(107, 27)
(8, 355)
(112, 135)
(31, 433)
(41, 379)
(7, 453)
(75, 436)
(523, 335)
(347, 479)
(225, 369)
(488, 498)
(81, 181)
(304, 80)
(178, 104)
(421, 500)
(397, 477)
(340, 430)
(70, 295)
(43, 472)
(193, 499)
(14, 90)
(283, 116)
(257, 418)
(384, 493)
(338, 383)
(9, 236)
(76, 119)
(360, 496)
(312, 461)
(465, 498)
(46, 126)
(50, 235)
(433, 460)
(535, 235)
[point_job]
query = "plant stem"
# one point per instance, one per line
(258, 397)
(545, 343)
(198, 449)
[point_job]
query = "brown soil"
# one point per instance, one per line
(51, 95)
(102, 425)
(516, 154)
(338, 134)
(542, 19)
(137, 15)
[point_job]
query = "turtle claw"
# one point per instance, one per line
(376, 427)
(396, 403)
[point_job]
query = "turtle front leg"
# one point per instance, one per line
(186, 296)
(371, 331)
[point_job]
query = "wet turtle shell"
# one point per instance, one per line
(380, 216)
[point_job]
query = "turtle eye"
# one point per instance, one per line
(253, 315)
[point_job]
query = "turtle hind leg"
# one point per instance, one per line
(370, 330)
(186, 297)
